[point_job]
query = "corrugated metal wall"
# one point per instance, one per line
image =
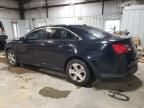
(90, 14)
(96, 21)
(133, 21)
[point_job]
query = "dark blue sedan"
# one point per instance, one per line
(82, 52)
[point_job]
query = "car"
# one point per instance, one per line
(3, 36)
(83, 53)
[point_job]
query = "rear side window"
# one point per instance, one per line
(69, 36)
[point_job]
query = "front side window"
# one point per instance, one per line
(36, 35)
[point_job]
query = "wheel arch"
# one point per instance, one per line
(7, 49)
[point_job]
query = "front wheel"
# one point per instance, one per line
(78, 72)
(12, 57)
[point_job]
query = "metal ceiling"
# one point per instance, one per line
(22, 9)
(27, 1)
(23, 1)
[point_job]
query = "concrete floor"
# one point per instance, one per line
(22, 87)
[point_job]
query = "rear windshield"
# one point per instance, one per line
(97, 33)
(94, 33)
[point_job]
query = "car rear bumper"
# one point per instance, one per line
(112, 71)
(120, 74)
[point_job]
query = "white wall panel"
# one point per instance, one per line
(59, 12)
(130, 22)
(22, 27)
(133, 21)
(89, 14)
(124, 21)
(90, 9)
(141, 28)
(9, 14)
(9, 3)
(95, 21)
(8, 28)
(37, 13)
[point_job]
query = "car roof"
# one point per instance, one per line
(80, 30)
(77, 29)
(65, 26)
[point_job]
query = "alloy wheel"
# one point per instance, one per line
(77, 72)
(11, 57)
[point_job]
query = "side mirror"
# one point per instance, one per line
(21, 38)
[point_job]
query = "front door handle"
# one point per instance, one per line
(41, 44)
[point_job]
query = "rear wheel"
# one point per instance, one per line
(12, 57)
(78, 73)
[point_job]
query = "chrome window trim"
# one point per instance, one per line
(68, 30)
(54, 27)
(33, 31)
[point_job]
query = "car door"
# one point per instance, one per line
(51, 52)
(57, 49)
(28, 49)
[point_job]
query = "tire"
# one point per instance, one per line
(78, 73)
(12, 59)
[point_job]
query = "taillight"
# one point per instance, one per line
(120, 48)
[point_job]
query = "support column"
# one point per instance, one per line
(102, 7)
(21, 9)
(46, 8)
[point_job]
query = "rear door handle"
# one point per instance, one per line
(62, 45)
